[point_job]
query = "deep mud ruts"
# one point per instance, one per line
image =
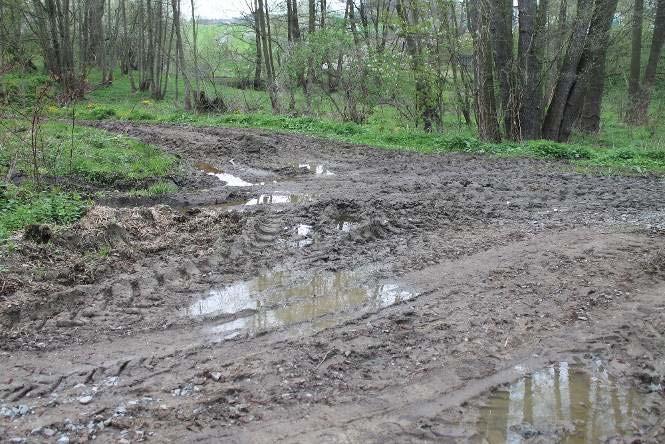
(364, 295)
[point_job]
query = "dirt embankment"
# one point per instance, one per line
(350, 294)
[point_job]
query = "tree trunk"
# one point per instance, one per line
(568, 74)
(479, 26)
(641, 99)
(257, 37)
(502, 30)
(532, 21)
(593, 97)
(181, 55)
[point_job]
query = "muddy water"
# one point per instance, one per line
(319, 170)
(563, 403)
(277, 299)
(229, 179)
(279, 198)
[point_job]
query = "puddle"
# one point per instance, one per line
(229, 179)
(304, 230)
(277, 299)
(319, 170)
(564, 403)
(279, 198)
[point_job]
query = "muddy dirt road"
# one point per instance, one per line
(299, 290)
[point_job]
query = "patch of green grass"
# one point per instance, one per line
(90, 154)
(157, 189)
(22, 206)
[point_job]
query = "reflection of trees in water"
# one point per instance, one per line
(593, 402)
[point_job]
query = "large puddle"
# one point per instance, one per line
(563, 403)
(277, 299)
(229, 179)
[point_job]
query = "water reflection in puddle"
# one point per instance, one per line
(304, 230)
(563, 403)
(229, 179)
(279, 299)
(318, 169)
(267, 199)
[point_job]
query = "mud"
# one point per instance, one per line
(390, 301)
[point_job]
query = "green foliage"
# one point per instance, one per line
(20, 89)
(553, 150)
(22, 206)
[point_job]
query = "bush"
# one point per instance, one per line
(100, 113)
(555, 150)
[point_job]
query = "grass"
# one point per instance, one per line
(88, 154)
(22, 206)
(157, 189)
(76, 158)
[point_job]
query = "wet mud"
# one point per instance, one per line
(300, 290)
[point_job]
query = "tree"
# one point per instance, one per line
(486, 112)
(640, 95)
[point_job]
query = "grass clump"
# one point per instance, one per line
(157, 189)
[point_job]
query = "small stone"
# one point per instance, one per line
(48, 432)
(64, 439)
(85, 399)
(216, 375)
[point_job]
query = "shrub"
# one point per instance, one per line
(554, 150)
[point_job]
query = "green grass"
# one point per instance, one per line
(78, 158)
(22, 206)
(89, 154)
(157, 189)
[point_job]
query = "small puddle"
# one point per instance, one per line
(279, 198)
(319, 170)
(304, 230)
(565, 403)
(277, 299)
(229, 179)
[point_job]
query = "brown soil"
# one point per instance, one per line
(512, 264)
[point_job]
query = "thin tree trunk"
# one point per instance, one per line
(641, 100)
(486, 115)
(502, 30)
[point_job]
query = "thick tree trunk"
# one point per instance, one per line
(568, 74)
(592, 56)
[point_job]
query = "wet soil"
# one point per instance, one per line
(349, 294)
